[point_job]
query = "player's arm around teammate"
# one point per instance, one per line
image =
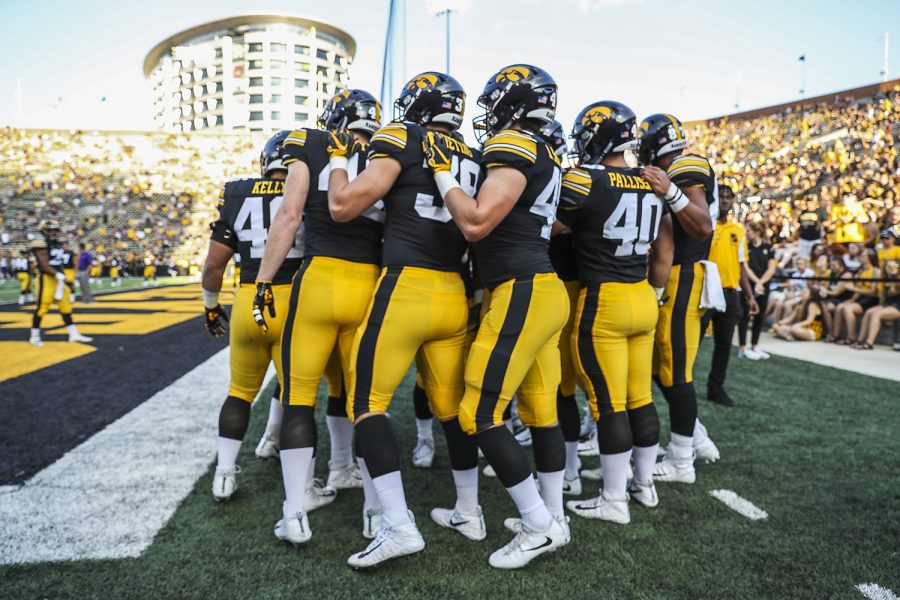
(516, 348)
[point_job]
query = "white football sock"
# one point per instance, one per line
(311, 472)
(682, 446)
(340, 430)
(370, 498)
(466, 490)
(228, 451)
(573, 463)
(35, 332)
(551, 491)
(424, 430)
(644, 462)
(615, 474)
(72, 329)
(531, 507)
(509, 425)
(276, 411)
(295, 469)
(393, 502)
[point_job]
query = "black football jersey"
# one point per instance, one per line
(58, 254)
(810, 225)
(245, 215)
(418, 228)
(518, 246)
(614, 217)
(358, 240)
(690, 170)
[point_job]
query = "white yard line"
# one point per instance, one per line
(876, 592)
(109, 497)
(740, 505)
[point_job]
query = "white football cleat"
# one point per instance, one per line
(423, 454)
(489, 471)
(471, 526)
(675, 469)
(345, 478)
(589, 446)
(514, 524)
(371, 522)
(528, 544)
(643, 493)
(225, 483)
(36, 341)
(524, 437)
(704, 448)
(391, 542)
(318, 495)
(293, 529)
(268, 445)
(601, 507)
(21, 300)
(572, 487)
(78, 337)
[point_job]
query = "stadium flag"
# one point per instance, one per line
(802, 58)
(393, 72)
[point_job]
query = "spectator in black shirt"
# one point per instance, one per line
(761, 265)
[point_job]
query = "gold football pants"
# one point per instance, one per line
(251, 349)
(47, 285)
(678, 329)
(329, 298)
(516, 351)
(415, 314)
(569, 373)
(613, 345)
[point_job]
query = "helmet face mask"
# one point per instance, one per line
(431, 97)
(513, 94)
(351, 109)
(603, 128)
(270, 157)
(49, 228)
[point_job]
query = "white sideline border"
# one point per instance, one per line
(742, 506)
(873, 591)
(108, 497)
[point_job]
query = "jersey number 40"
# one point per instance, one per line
(250, 225)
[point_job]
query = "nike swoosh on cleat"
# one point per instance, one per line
(368, 551)
(547, 542)
(457, 524)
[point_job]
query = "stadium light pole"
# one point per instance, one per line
(446, 14)
(737, 90)
(802, 60)
(884, 66)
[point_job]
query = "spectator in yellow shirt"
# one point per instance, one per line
(889, 249)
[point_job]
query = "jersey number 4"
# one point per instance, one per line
(623, 224)
(251, 226)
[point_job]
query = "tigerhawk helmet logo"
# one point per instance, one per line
(645, 126)
(343, 95)
(596, 115)
(422, 82)
(512, 74)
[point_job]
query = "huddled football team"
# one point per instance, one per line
(505, 278)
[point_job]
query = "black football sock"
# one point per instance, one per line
(234, 418)
(379, 447)
(645, 434)
(682, 399)
(298, 444)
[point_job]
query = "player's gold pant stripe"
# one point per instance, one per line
(369, 340)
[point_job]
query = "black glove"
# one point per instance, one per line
(216, 319)
(264, 297)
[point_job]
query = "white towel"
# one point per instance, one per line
(712, 295)
(60, 290)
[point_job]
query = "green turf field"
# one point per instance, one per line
(9, 290)
(815, 447)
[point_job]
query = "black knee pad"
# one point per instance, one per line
(337, 407)
(462, 448)
(377, 445)
(502, 450)
(276, 393)
(549, 449)
(420, 403)
(507, 412)
(234, 418)
(569, 419)
(67, 318)
(644, 426)
(298, 428)
(614, 433)
(682, 399)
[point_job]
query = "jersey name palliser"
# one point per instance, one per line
(267, 186)
(621, 180)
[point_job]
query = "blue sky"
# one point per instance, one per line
(655, 55)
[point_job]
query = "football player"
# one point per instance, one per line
(114, 271)
(22, 270)
(419, 309)
(615, 217)
(149, 268)
(508, 223)
(562, 257)
(688, 185)
(56, 283)
(245, 211)
(329, 296)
